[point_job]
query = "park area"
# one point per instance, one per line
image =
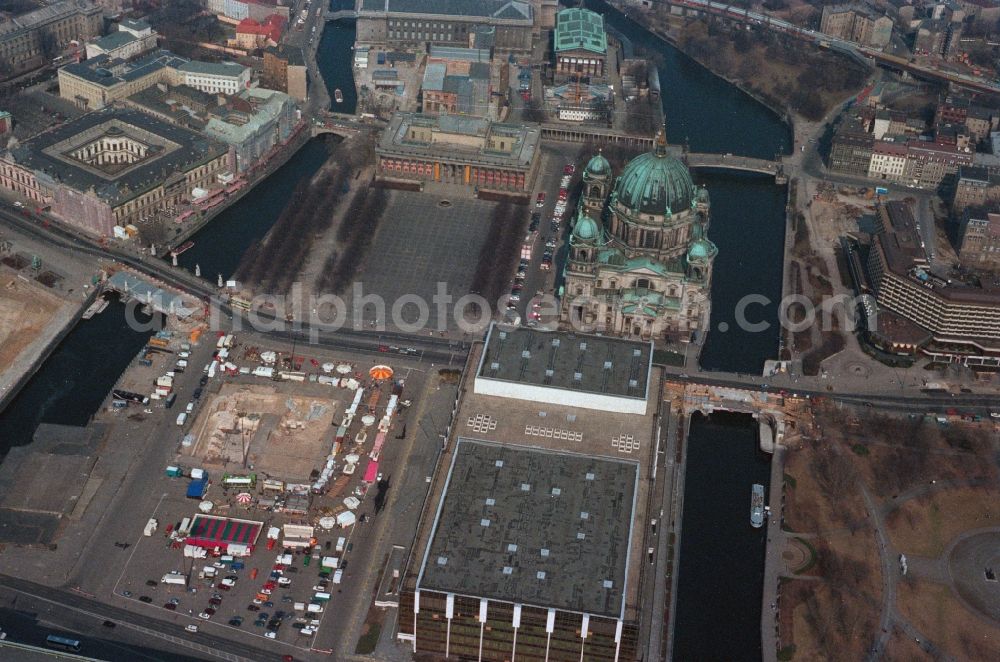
(868, 494)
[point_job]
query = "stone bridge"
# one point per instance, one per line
(695, 160)
(343, 124)
(339, 14)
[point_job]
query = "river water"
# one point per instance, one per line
(71, 385)
(721, 557)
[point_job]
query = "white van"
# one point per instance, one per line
(338, 576)
(341, 541)
(182, 418)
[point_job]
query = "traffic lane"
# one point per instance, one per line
(31, 622)
(919, 401)
(537, 279)
(101, 611)
(185, 282)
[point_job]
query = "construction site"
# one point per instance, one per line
(264, 428)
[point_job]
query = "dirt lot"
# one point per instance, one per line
(924, 526)
(25, 310)
(933, 609)
(281, 435)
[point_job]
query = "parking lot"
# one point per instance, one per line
(294, 522)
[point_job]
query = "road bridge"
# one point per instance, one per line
(331, 15)
(730, 162)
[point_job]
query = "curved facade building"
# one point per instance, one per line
(640, 262)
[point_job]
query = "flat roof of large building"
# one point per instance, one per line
(534, 527)
(109, 72)
(169, 149)
(396, 140)
(517, 10)
(576, 362)
(231, 69)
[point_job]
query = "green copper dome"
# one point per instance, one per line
(598, 165)
(655, 182)
(701, 249)
(585, 228)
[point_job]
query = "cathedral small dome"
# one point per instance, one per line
(701, 249)
(598, 165)
(585, 228)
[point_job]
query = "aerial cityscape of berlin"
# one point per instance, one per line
(500, 330)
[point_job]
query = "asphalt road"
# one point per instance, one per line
(200, 644)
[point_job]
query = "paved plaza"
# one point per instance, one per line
(423, 240)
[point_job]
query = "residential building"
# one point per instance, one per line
(851, 152)
(112, 168)
(888, 160)
(979, 238)
(417, 22)
(459, 150)
(647, 272)
(933, 166)
(954, 135)
(529, 545)
(252, 34)
(889, 123)
(858, 23)
(131, 39)
(252, 123)
(234, 11)
(961, 311)
(285, 71)
(581, 45)
(33, 39)
(975, 186)
(212, 77)
(937, 37)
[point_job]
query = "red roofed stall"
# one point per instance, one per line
(210, 532)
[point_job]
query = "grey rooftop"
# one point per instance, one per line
(577, 362)
(534, 527)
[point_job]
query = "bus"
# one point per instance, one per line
(62, 643)
(231, 480)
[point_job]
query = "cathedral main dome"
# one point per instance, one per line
(654, 182)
